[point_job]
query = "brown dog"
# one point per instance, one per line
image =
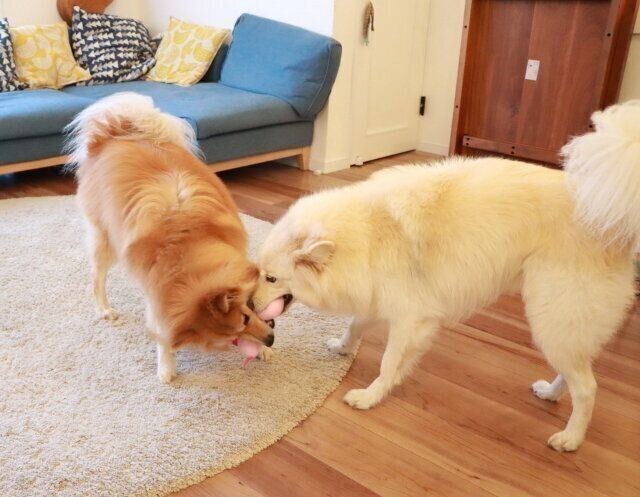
(150, 203)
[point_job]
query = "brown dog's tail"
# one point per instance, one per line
(124, 116)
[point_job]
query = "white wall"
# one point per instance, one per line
(631, 82)
(332, 139)
(22, 12)
(316, 15)
(441, 72)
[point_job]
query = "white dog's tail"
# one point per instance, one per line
(603, 171)
(124, 116)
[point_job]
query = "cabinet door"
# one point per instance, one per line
(387, 79)
(533, 71)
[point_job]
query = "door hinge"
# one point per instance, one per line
(423, 104)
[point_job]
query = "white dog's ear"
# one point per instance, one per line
(314, 253)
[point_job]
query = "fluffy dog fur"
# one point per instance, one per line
(420, 246)
(150, 203)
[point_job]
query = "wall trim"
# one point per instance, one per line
(330, 166)
(434, 148)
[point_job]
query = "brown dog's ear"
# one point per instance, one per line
(220, 301)
(314, 253)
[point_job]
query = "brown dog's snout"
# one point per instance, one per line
(268, 341)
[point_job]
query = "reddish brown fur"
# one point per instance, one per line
(174, 225)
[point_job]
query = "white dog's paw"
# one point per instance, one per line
(565, 441)
(335, 345)
(544, 390)
(109, 314)
(265, 353)
(361, 398)
(166, 373)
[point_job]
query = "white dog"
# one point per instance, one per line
(419, 246)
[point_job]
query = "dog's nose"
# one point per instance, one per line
(271, 323)
(269, 340)
(251, 305)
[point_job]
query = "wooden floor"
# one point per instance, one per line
(463, 424)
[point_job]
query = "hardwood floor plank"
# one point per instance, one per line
(492, 464)
(386, 467)
(513, 418)
(225, 484)
(287, 471)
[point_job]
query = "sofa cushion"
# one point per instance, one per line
(211, 108)
(37, 112)
(8, 79)
(186, 52)
(256, 141)
(44, 58)
(112, 48)
(286, 61)
(215, 148)
(31, 148)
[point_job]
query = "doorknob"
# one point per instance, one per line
(368, 22)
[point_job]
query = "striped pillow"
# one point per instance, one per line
(112, 48)
(8, 79)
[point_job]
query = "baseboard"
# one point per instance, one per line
(330, 166)
(434, 148)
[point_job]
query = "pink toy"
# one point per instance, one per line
(273, 310)
(248, 348)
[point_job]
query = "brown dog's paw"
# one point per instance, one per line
(109, 314)
(265, 354)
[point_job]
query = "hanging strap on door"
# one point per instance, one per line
(368, 22)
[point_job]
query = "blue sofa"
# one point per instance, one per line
(257, 102)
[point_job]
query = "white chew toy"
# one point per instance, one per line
(273, 310)
(248, 348)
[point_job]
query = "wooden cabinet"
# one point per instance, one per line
(532, 72)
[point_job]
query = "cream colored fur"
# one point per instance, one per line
(419, 246)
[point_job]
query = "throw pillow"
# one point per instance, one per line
(8, 78)
(112, 48)
(43, 56)
(155, 42)
(186, 52)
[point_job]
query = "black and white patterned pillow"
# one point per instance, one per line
(112, 48)
(8, 79)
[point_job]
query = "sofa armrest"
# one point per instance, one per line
(288, 62)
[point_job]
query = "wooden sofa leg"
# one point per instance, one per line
(303, 158)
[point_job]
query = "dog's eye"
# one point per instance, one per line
(245, 320)
(271, 279)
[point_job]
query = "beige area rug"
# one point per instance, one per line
(81, 410)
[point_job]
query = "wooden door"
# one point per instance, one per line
(387, 79)
(532, 72)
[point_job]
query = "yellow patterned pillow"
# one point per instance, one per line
(43, 56)
(186, 52)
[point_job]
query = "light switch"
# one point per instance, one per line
(532, 70)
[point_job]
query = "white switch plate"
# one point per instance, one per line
(532, 70)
